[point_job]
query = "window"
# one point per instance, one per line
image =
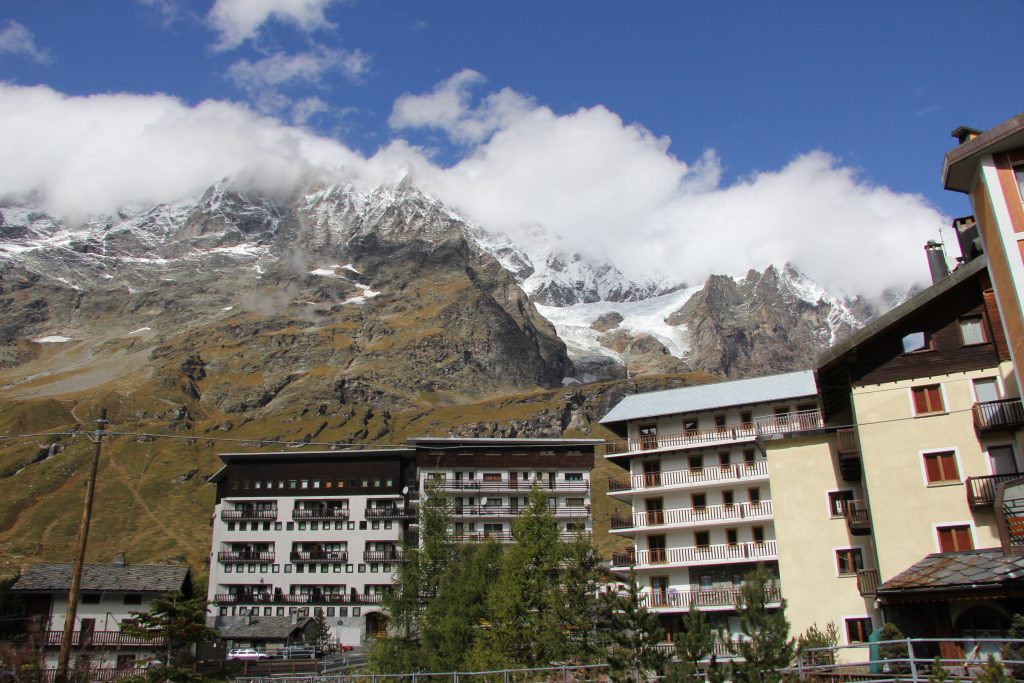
(849, 560)
(723, 459)
(727, 498)
(656, 546)
(731, 537)
(940, 468)
(719, 423)
(574, 476)
(972, 330)
(757, 533)
(955, 538)
(837, 501)
(917, 341)
(986, 389)
(748, 457)
(1018, 172)
(927, 399)
(702, 539)
(858, 629)
(690, 425)
(755, 495)
(696, 463)
(648, 436)
(706, 582)
(699, 501)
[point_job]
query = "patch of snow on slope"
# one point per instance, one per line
(139, 331)
(367, 294)
(325, 272)
(348, 266)
(53, 339)
(647, 316)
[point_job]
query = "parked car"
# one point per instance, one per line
(246, 653)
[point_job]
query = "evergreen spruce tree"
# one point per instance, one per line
(814, 638)
(455, 619)
(634, 654)
(526, 628)
(938, 673)
(416, 583)
(321, 630)
(181, 622)
(694, 644)
(893, 651)
(993, 672)
(579, 609)
(1012, 652)
(765, 646)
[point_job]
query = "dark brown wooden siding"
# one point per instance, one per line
(881, 359)
(351, 469)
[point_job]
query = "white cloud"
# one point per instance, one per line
(240, 20)
(17, 40)
(304, 67)
(594, 183)
(306, 108)
(447, 108)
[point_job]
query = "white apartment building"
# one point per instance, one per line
(699, 488)
(489, 481)
(296, 533)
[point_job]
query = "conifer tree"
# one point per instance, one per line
(526, 628)
(1014, 652)
(634, 654)
(765, 645)
(181, 622)
(455, 619)
(579, 608)
(695, 642)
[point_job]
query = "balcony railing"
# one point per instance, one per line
(697, 476)
(858, 517)
(249, 514)
(788, 423)
(998, 415)
(319, 556)
(480, 536)
(981, 491)
(298, 598)
(695, 515)
(512, 484)
(691, 555)
(245, 556)
(682, 440)
(390, 512)
(102, 639)
(712, 597)
(318, 514)
(868, 581)
(391, 555)
(508, 511)
(720, 650)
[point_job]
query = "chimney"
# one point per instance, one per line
(965, 134)
(968, 236)
(936, 261)
(119, 560)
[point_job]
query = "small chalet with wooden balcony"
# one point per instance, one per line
(929, 397)
(108, 595)
(698, 480)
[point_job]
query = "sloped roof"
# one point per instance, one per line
(263, 628)
(709, 396)
(968, 569)
(132, 578)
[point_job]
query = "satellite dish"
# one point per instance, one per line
(483, 500)
(405, 491)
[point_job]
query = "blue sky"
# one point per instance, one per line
(876, 86)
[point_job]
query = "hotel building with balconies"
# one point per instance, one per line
(299, 532)
(699, 486)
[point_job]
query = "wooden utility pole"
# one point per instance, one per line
(76, 571)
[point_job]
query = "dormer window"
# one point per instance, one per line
(917, 341)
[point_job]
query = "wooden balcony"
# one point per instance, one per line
(858, 517)
(994, 416)
(690, 439)
(319, 556)
(390, 555)
(507, 511)
(245, 556)
(697, 555)
(708, 598)
(249, 515)
(775, 426)
(512, 484)
(720, 650)
(390, 512)
(257, 598)
(697, 477)
(709, 514)
(981, 491)
(868, 581)
(111, 639)
(320, 514)
(849, 454)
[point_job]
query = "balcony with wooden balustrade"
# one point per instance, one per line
(725, 553)
(249, 514)
(981, 491)
(324, 513)
(704, 599)
(694, 516)
(100, 639)
(512, 484)
(247, 555)
(390, 512)
(689, 439)
(858, 517)
(319, 556)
